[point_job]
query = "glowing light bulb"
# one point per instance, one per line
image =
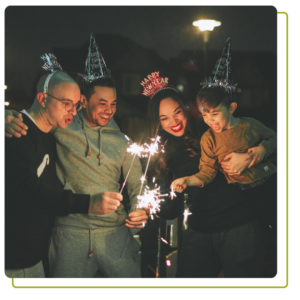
(206, 24)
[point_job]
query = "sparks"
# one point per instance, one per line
(172, 194)
(136, 149)
(150, 200)
(186, 214)
(152, 149)
(163, 240)
(143, 179)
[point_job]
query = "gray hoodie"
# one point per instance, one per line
(98, 172)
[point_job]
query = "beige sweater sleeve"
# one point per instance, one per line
(208, 166)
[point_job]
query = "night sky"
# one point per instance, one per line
(32, 31)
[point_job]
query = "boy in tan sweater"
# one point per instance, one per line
(229, 134)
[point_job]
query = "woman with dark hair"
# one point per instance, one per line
(223, 231)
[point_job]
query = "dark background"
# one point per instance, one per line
(137, 40)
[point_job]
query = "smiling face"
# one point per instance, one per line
(101, 106)
(172, 117)
(219, 118)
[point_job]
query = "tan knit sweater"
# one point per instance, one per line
(247, 134)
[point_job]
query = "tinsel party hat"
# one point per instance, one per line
(153, 83)
(95, 67)
(222, 72)
(50, 64)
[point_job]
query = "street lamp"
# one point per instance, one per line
(206, 26)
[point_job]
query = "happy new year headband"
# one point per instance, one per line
(154, 83)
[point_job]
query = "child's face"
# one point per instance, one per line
(218, 118)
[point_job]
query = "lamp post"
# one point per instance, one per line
(206, 26)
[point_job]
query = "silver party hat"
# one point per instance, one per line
(95, 67)
(222, 72)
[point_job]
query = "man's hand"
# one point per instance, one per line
(14, 125)
(137, 219)
(104, 203)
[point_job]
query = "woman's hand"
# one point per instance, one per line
(236, 163)
(258, 154)
(14, 125)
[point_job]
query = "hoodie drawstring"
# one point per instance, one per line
(99, 144)
(88, 149)
(91, 251)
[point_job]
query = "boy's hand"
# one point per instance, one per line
(258, 154)
(137, 219)
(14, 125)
(179, 185)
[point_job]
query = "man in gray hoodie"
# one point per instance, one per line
(82, 245)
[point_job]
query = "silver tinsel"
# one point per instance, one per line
(207, 83)
(95, 67)
(222, 72)
(50, 63)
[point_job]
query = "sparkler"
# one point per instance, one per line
(136, 150)
(152, 149)
(151, 199)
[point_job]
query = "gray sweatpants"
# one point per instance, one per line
(36, 271)
(86, 253)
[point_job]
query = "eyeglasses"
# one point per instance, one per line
(68, 105)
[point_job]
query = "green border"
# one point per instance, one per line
(145, 287)
(291, 51)
(291, 67)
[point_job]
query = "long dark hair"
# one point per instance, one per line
(193, 130)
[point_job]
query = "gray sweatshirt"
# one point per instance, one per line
(89, 162)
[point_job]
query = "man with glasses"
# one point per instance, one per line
(33, 193)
